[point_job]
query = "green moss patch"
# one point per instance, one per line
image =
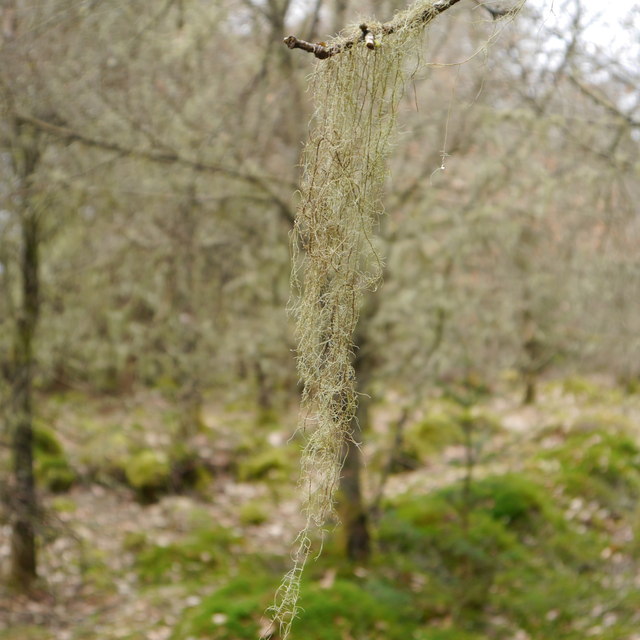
(273, 464)
(148, 472)
(54, 473)
(46, 442)
(52, 469)
(503, 551)
(599, 465)
(253, 513)
(203, 553)
(344, 609)
(444, 425)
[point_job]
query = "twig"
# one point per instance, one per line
(496, 14)
(602, 101)
(160, 157)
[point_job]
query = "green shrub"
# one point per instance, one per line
(460, 551)
(514, 499)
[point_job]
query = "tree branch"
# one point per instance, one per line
(369, 33)
(496, 14)
(161, 157)
(602, 101)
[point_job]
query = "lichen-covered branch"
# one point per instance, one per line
(419, 16)
(372, 34)
(165, 156)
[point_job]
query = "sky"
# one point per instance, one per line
(604, 16)
(606, 34)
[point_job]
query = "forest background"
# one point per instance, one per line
(149, 161)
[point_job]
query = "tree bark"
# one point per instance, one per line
(23, 542)
(23, 570)
(351, 508)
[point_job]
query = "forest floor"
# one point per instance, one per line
(119, 563)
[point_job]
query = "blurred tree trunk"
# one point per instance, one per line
(530, 351)
(351, 508)
(25, 157)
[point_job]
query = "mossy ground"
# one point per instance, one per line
(540, 544)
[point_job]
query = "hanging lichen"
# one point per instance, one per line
(356, 94)
(356, 87)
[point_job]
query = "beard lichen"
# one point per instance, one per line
(356, 94)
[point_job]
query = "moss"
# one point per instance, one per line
(587, 391)
(62, 504)
(346, 609)
(54, 473)
(272, 464)
(435, 431)
(231, 613)
(349, 609)
(52, 470)
(46, 442)
(631, 386)
(446, 634)
(253, 513)
(599, 465)
(461, 553)
(578, 386)
(106, 453)
(148, 472)
(200, 554)
(445, 425)
(267, 418)
(507, 548)
(26, 632)
(97, 570)
(608, 421)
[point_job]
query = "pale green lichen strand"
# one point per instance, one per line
(345, 165)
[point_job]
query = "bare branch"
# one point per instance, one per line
(161, 157)
(495, 13)
(603, 101)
